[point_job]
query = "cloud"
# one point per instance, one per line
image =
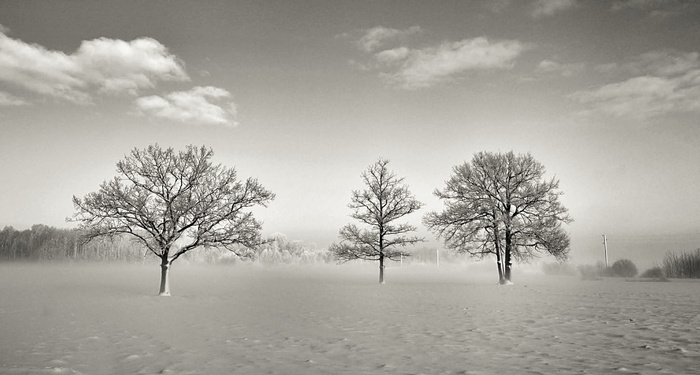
(543, 8)
(9, 100)
(497, 6)
(663, 83)
(201, 105)
(537, 8)
(656, 8)
(566, 70)
(419, 68)
(377, 36)
(413, 68)
(664, 63)
(638, 4)
(119, 66)
(103, 65)
(391, 56)
(114, 67)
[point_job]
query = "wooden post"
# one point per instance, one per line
(605, 244)
(437, 253)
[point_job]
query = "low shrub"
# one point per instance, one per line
(684, 265)
(654, 273)
(624, 268)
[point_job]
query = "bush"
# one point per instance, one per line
(684, 265)
(654, 273)
(624, 268)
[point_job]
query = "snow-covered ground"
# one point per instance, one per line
(106, 319)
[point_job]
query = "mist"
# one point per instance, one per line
(329, 319)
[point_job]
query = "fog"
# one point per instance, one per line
(335, 319)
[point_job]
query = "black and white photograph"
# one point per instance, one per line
(349, 187)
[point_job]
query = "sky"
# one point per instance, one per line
(305, 95)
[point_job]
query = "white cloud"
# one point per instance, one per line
(9, 100)
(105, 65)
(412, 68)
(566, 70)
(377, 36)
(664, 63)
(37, 69)
(119, 66)
(656, 8)
(201, 105)
(664, 82)
(544, 8)
(497, 6)
(639, 4)
(420, 68)
(393, 55)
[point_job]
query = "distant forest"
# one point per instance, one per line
(45, 243)
(41, 242)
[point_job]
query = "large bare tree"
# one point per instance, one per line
(385, 200)
(501, 204)
(174, 202)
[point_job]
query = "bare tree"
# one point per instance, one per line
(174, 202)
(384, 200)
(500, 204)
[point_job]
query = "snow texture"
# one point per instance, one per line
(107, 319)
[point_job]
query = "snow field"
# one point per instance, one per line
(106, 319)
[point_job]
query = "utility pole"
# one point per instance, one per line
(605, 244)
(437, 258)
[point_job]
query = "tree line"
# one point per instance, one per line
(42, 242)
(676, 265)
(47, 243)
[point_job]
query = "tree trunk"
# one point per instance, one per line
(381, 268)
(499, 264)
(497, 244)
(508, 261)
(164, 278)
(381, 253)
(501, 279)
(508, 267)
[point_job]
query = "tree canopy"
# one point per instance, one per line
(501, 204)
(174, 202)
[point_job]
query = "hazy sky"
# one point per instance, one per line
(305, 95)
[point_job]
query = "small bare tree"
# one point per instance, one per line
(501, 204)
(384, 200)
(161, 197)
